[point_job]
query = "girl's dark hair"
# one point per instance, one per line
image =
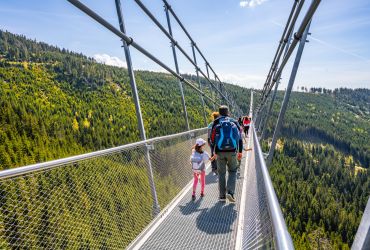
(223, 110)
(198, 148)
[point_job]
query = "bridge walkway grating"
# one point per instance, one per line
(205, 223)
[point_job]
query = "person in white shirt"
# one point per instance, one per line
(198, 159)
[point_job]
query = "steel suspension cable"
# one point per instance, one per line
(286, 34)
(297, 38)
(195, 45)
(169, 36)
(130, 41)
(178, 72)
(280, 43)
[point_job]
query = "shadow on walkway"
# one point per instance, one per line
(217, 220)
(211, 178)
(191, 207)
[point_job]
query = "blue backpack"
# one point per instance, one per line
(226, 135)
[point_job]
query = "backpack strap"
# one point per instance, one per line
(213, 130)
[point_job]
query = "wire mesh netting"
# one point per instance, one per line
(99, 202)
(258, 231)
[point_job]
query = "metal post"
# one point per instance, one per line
(251, 105)
(156, 207)
(263, 133)
(287, 95)
(207, 70)
(263, 118)
(177, 70)
(259, 115)
(297, 36)
(263, 115)
(220, 88)
(213, 95)
(190, 38)
(200, 84)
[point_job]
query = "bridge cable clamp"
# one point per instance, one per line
(150, 147)
(297, 37)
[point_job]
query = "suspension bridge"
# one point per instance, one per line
(65, 206)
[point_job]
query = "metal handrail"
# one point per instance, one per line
(282, 237)
(60, 162)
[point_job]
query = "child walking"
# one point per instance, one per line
(199, 158)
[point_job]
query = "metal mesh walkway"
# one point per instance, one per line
(204, 223)
(207, 223)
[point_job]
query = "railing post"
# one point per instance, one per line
(177, 70)
(263, 117)
(263, 133)
(259, 116)
(200, 84)
(156, 207)
(213, 95)
(265, 122)
(220, 88)
(284, 105)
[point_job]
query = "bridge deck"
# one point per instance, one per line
(205, 223)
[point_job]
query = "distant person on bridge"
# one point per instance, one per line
(240, 122)
(214, 115)
(246, 124)
(198, 159)
(227, 142)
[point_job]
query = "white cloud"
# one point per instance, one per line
(244, 80)
(110, 60)
(251, 3)
(243, 4)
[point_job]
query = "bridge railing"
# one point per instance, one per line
(362, 238)
(261, 222)
(99, 200)
(268, 203)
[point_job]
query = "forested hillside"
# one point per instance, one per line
(340, 118)
(320, 170)
(322, 193)
(56, 103)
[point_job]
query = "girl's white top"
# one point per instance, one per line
(198, 160)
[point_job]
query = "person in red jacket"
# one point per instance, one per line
(246, 124)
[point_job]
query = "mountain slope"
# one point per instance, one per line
(56, 103)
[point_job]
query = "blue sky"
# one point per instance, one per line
(239, 38)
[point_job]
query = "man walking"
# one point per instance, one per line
(228, 146)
